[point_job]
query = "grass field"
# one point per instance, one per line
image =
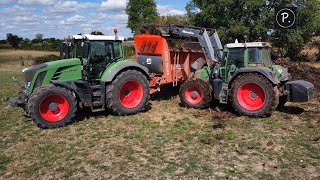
(165, 142)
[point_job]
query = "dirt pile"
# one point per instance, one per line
(301, 71)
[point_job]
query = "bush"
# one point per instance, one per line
(44, 59)
(129, 52)
(55, 46)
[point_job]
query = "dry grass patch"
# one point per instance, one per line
(16, 58)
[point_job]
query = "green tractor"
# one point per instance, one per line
(95, 76)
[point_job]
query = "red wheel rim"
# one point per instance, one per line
(131, 94)
(251, 96)
(193, 95)
(54, 107)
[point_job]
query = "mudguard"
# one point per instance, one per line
(109, 74)
(266, 72)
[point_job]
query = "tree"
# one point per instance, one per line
(13, 40)
(39, 37)
(173, 19)
(233, 19)
(140, 12)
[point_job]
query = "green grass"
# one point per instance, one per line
(167, 142)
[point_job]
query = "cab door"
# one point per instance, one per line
(100, 56)
(235, 60)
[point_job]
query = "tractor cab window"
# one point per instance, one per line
(117, 50)
(254, 55)
(266, 57)
(260, 56)
(236, 57)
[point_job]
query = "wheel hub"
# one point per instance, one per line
(194, 94)
(253, 95)
(53, 106)
(131, 94)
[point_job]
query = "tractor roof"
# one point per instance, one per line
(97, 37)
(250, 44)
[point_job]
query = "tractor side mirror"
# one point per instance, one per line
(85, 52)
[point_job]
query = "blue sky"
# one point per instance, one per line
(59, 19)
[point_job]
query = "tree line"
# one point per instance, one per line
(38, 43)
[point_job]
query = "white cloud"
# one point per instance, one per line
(70, 6)
(19, 19)
(6, 1)
(42, 2)
(16, 9)
(73, 20)
(169, 11)
(120, 17)
(113, 5)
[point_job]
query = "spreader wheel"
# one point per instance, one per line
(253, 95)
(195, 93)
(128, 93)
(52, 107)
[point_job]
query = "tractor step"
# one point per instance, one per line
(97, 94)
(98, 97)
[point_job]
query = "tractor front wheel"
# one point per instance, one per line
(195, 93)
(253, 95)
(128, 93)
(52, 107)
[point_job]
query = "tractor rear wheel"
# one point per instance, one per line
(253, 95)
(52, 107)
(195, 93)
(128, 93)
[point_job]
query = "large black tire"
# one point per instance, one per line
(128, 93)
(253, 95)
(62, 102)
(195, 93)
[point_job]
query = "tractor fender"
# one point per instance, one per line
(267, 73)
(114, 69)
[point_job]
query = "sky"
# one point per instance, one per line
(59, 18)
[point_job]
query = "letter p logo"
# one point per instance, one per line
(285, 17)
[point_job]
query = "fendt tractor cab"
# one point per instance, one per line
(95, 75)
(240, 74)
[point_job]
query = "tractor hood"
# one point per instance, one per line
(63, 63)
